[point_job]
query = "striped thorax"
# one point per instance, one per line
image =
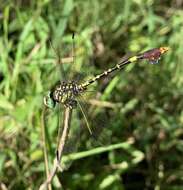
(64, 93)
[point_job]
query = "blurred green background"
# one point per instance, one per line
(145, 113)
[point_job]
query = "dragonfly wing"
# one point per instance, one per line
(59, 61)
(98, 131)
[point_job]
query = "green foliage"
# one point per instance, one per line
(145, 118)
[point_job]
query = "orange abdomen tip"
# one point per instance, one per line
(164, 49)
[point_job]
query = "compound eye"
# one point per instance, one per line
(48, 101)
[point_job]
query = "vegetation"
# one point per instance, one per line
(141, 106)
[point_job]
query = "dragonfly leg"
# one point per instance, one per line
(71, 103)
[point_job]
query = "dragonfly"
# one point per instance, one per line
(68, 93)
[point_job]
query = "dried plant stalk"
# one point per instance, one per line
(62, 141)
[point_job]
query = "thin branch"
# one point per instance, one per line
(66, 124)
(57, 159)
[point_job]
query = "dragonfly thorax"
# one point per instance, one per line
(65, 93)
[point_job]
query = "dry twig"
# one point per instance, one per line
(58, 157)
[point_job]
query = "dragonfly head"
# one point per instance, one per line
(48, 101)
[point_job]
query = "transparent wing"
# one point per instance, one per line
(59, 60)
(88, 130)
(97, 131)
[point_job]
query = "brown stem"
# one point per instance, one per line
(57, 159)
